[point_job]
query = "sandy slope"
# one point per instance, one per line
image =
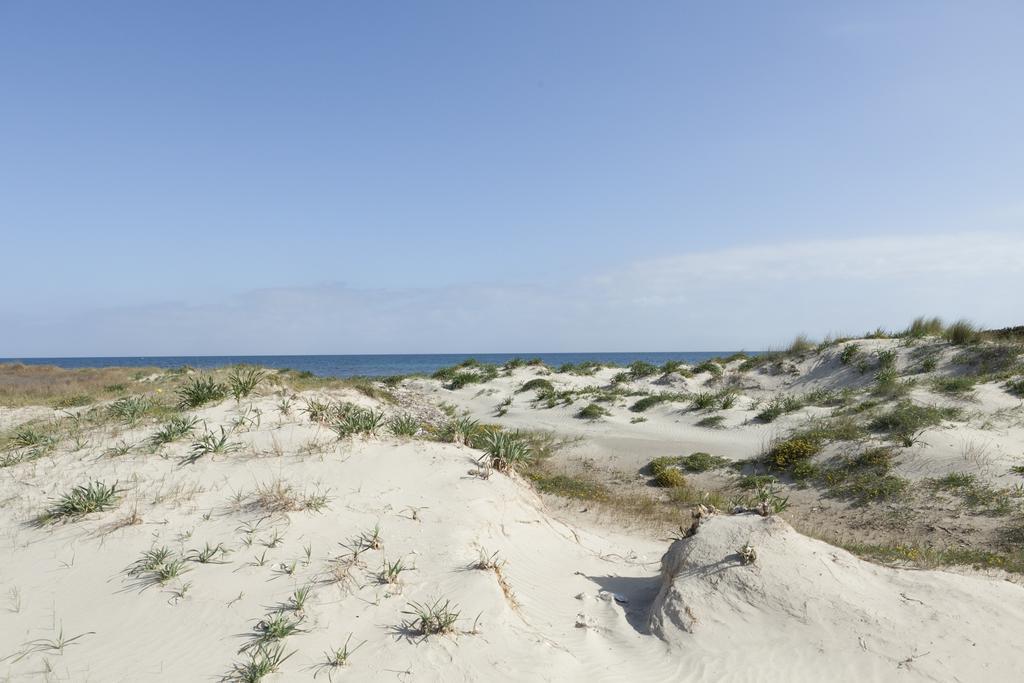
(579, 603)
(807, 611)
(71, 576)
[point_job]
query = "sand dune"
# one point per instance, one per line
(286, 525)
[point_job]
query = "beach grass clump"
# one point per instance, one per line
(924, 327)
(866, 477)
(977, 495)
(888, 385)
(82, 500)
(778, 406)
(568, 486)
(850, 354)
(428, 619)
(1015, 387)
(159, 566)
(279, 495)
(263, 661)
(906, 420)
(828, 429)
(709, 366)
(582, 369)
(74, 401)
(212, 443)
(640, 369)
(887, 358)
(711, 422)
(31, 437)
(178, 427)
(243, 380)
(404, 425)
(592, 411)
(201, 390)
(704, 400)
(470, 371)
(505, 451)
(364, 421)
(962, 332)
(130, 409)
(458, 430)
(954, 386)
(272, 629)
(800, 345)
(992, 359)
(337, 657)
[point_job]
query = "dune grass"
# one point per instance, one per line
(80, 501)
(198, 391)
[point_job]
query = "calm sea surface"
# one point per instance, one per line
(364, 365)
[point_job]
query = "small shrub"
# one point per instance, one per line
(787, 453)
(804, 471)
(659, 465)
(711, 422)
(654, 399)
(702, 462)
(592, 411)
(906, 419)
(538, 384)
(670, 477)
(865, 478)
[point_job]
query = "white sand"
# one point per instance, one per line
(804, 611)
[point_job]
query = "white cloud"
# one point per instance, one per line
(726, 299)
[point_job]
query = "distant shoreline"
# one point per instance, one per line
(367, 365)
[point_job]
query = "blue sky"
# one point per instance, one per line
(255, 177)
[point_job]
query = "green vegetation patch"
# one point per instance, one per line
(592, 411)
(906, 420)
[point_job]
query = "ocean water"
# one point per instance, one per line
(365, 365)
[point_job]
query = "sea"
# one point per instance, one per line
(367, 365)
